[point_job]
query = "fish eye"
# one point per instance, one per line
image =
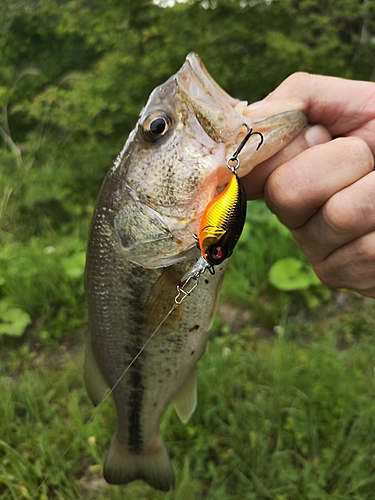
(156, 125)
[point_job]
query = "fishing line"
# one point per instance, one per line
(182, 295)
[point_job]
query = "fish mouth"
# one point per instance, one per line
(206, 81)
(221, 117)
(213, 107)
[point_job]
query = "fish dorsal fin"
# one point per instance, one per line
(160, 302)
(96, 385)
(186, 399)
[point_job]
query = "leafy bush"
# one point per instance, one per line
(42, 280)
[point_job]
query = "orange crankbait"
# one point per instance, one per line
(224, 217)
(221, 224)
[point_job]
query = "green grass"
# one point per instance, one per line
(281, 418)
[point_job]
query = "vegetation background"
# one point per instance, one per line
(286, 391)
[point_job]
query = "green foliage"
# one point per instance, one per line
(42, 280)
(74, 76)
(290, 274)
(13, 321)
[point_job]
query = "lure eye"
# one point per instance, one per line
(217, 254)
(156, 125)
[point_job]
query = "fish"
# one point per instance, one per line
(142, 348)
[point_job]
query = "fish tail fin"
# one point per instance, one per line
(152, 465)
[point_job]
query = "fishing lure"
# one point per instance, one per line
(221, 224)
(224, 217)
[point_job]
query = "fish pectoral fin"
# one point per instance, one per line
(152, 465)
(96, 385)
(186, 399)
(137, 224)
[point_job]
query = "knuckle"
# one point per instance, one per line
(281, 191)
(365, 251)
(359, 152)
(338, 216)
(298, 78)
(350, 268)
(292, 83)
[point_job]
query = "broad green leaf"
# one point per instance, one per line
(13, 321)
(288, 274)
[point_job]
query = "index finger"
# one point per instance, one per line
(297, 189)
(342, 106)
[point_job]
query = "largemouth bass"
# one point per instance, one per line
(151, 203)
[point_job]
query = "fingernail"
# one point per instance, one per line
(269, 106)
(316, 134)
(254, 106)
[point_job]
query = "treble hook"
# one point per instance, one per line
(234, 157)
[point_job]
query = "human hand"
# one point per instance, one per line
(323, 189)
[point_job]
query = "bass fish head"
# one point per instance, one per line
(174, 161)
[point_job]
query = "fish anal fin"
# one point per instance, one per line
(96, 385)
(186, 399)
(160, 302)
(151, 466)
